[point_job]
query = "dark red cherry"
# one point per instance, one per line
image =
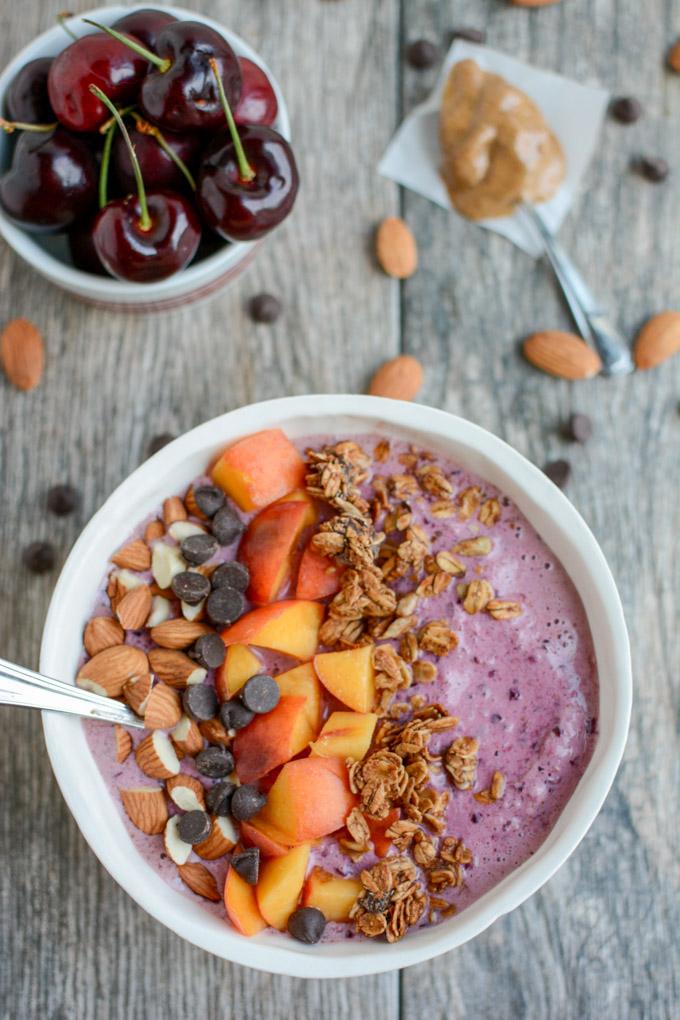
(51, 182)
(257, 104)
(144, 25)
(81, 245)
(93, 60)
(26, 98)
(130, 252)
(158, 168)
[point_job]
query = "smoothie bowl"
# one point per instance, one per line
(384, 675)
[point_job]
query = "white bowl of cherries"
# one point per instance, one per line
(144, 159)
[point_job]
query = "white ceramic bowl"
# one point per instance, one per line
(171, 470)
(49, 255)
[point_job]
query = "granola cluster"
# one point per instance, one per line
(392, 901)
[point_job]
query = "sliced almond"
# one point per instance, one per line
(156, 756)
(136, 692)
(111, 668)
(153, 531)
(163, 708)
(396, 248)
(186, 792)
(201, 881)
(22, 353)
(134, 556)
(166, 563)
(186, 737)
(193, 612)
(123, 743)
(161, 610)
(562, 354)
(221, 840)
(173, 510)
(146, 808)
(192, 506)
(134, 608)
(184, 529)
(175, 668)
(214, 732)
(658, 340)
(176, 849)
(178, 633)
(102, 632)
(400, 378)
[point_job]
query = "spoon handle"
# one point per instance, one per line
(21, 686)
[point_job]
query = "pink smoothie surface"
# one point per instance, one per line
(525, 688)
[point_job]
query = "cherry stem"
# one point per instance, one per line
(246, 172)
(104, 128)
(104, 168)
(144, 219)
(145, 128)
(10, 126)
(62, 18)
(161, 64)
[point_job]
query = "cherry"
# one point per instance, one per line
(144, 25)
(159, 168)
(27, 99)
(51, 181)
(81, 245)
(93, 59)
(247, 185)
(257, 104)
(144, 237)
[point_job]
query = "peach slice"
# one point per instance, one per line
(240, 903)
(264, 839)
(240, 663)
(349, 676)
(290, 626)
(318, 576)
(302, 496)
(279, 886)
(268, 547)
(309, 799)
(272, 739)
(333, 895)
(345, 735)
(302, 682)
(259, 469)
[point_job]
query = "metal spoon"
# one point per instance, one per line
(21, 686)
(594, 325)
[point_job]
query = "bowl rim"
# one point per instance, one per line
(105, 288)
(536, 496)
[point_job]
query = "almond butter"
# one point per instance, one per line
(123, 743)
(562, 354)
(201, 881)
(22, 353)
(175, 668)
(111, 669)
(186, 792)
(400, 378)
(178, 633)
(214, 732)
(156, 756)
(673, 58)
(153, 531)
(173, 510)
(396, 248)
(136, 692)
(134, 556)
(163, 708)
(221, 840)
(146, 808)
(186, 737)
(658, 340)
(134, 608)
(102, 632)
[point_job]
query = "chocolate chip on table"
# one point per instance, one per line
(306, 924)
(209, 651)
(197, 549)
(194, 827)
(558, 471)
(473, 35)
(265, 308)
(224, 606)
(625, 109)
(63, 499)
(200, 702)
(215, 763)
(227, 526)
(39, 557)
(231, 575)
(191, 587)
(218, 798)
(422, 54)
(247, 864)
(234, 715)
(158, 442)
(260, 694)
(209, 499)
(246, 802)
(579, 428)
(654, 169)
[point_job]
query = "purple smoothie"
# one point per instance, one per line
(525, 688)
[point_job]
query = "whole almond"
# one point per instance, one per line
(102, 632)
(175, 668)
(192, 506)
(673, 59)
(186, 792)
(214, 732)
(22, 353)
(133, 556)
(178, 633)
(153, 531)
(134, 608)
(186, 737)
(400, 378)
(163, 708)
(173, 510)
(123, 743)
(112, 668)
(146, 808)
(136, 692)
(156, 756)
(199, 879)
(658, 340)
(396, 248)
(221, 840)
(562, 354)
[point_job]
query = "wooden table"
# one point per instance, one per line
(601, 939)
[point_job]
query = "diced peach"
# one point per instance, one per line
(279, 886)
(240, 663)
(290, 626)
(349, 676)
(240, 902)
(272, 739)
(259, 469)
(268, 547)
(302, 682)
(333, 895)
(310, 798)
(267, 844)
(318, 576)
(378, 828)
(345, 735)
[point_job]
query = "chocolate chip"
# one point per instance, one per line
(306, 924)
(209, 651)
(63, 500)
(209, 499)
(513, 694)
(197, 549)
(194, 827)
(200, 702)
(158, 442)
(260, 694)
(227, 526)
(654, 169)
(473, 35)
(579, 428)
(218, 798)
(191, 587)
(422, 54)
(231, 575)
(246, 802)
(247, 864)
(215, 763)
(265, 308)
(625, 109)
(39, 557)
(235, 715)
(558, 471)
(224, 606)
